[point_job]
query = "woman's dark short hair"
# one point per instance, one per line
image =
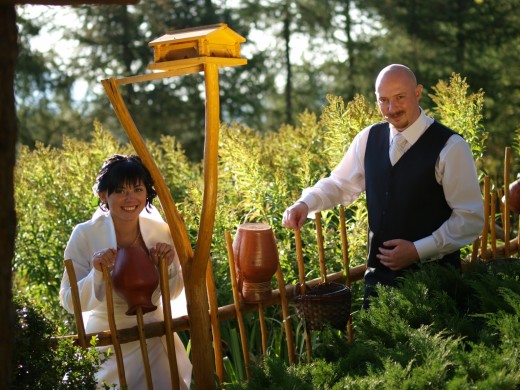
(120, 170)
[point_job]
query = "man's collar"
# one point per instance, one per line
(413, 132)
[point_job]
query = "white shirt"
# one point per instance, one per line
(99, 234)
(454, 170)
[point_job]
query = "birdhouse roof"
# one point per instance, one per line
(215, 32)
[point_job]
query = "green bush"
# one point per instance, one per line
(41, 362)
(438, 330)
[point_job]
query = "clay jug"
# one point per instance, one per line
(135, 278)
(514, 196)
(256, 260)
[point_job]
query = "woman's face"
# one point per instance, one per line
(127, 202)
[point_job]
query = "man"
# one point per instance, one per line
(423, 204)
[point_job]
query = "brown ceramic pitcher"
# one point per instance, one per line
(135, 278)
(256, 260)
(514, 196)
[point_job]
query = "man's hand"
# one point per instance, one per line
(401, 255)
(294, 217)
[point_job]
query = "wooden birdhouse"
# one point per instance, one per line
(215, 43)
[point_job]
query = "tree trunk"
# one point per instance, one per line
(288, 84)
(350, 47)
(8, 53)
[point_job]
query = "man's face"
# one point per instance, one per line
(398, 99)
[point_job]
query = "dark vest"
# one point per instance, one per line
(404, 201)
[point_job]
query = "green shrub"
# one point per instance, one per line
(41, 362)
(435, 331)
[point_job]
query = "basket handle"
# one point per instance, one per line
(321, 251)
(344, 245)
(299, 255)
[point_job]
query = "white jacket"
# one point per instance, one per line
(99, 234)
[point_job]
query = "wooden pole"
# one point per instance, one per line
(236, 299)
(485, 231)
(493, 225)
(474, 250)
(167, 313)
(113, 328)
(174, 220)
(209, 201)
(346, 264)
(144, 348)
(263, 330)
(301, 273)
(286, 315)
(518, 237)
(215, 323)
(507, 214)
(195, 275)
(78, 316)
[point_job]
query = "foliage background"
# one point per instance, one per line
(298, 52)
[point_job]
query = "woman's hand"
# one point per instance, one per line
(106, 257)
(162, 250)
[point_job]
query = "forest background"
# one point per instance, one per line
(298, 51)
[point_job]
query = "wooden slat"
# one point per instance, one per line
(485, 230)
(113, 327)
(78, 314)
(301, 273)
(173, 218)
(493, 226)
(159, 75)
(507, 213)
(167, 313)
(144, 348)
(220, 62)
(346, 264)
(215, 323)
(263, 329)
(236, 299)
(289, 337)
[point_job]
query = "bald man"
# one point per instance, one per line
(424, 201)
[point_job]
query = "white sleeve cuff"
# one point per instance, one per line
(427, 249)
(312, 203)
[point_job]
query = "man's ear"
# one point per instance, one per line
(418, 91)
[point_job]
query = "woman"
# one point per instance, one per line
(125, 218)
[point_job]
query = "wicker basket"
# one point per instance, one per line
(325, 304)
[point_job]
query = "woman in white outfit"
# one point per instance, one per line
(125, 218)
